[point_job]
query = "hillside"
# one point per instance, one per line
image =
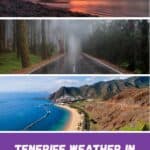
(133, 96)
(128, 110)
(101, 90)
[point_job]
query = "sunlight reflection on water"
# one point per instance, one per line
(102, 7)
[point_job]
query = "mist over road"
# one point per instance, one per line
(84, 65)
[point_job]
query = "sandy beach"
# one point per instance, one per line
(76, 119)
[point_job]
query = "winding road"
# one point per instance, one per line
(85, 64)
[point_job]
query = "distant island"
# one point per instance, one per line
(111, 105)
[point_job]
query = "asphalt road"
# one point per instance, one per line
(84, 65)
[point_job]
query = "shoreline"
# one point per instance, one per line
(75, 122)
(28, 9)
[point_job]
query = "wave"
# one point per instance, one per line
(101, 7)
(45, 107)
(37, 121)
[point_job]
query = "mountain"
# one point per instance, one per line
(102, 90)
(127, 110)
(132, 97)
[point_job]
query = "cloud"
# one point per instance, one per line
(68, 82)
(115, 78)
(91, 79)
(48, 83)
(56, 84)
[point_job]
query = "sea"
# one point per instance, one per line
(119, 8)
(21, 111)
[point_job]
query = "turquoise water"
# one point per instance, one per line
(30, 111)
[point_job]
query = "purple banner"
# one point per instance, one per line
(74, 141)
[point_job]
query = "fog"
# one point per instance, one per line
(119, 41)
(67, 36)
(72, 33)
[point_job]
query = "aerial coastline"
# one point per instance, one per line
(91, 107)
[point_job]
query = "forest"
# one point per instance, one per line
(23, 43)
(124, 43)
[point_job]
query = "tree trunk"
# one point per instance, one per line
(2, 35)
(14, 38)
(34, 50)
(22, 43)
(44, 49)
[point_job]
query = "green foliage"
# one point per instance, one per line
(50, 49)
(139, 126)
(138, 71)
(10, 63)
(35, 59)
(124, 65)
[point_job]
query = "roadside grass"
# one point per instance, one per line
(86, 122)
(139, 126)
(10, 63)
(125, 65)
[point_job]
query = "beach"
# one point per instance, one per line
(76, 119)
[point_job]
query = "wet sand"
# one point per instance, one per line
(75, 121)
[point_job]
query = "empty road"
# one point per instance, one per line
(84, 65)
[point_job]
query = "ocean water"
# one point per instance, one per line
(30, 111)
(127, 8)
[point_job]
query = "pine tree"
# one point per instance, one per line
(14, 37)
(22, 43)
(44, 49)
